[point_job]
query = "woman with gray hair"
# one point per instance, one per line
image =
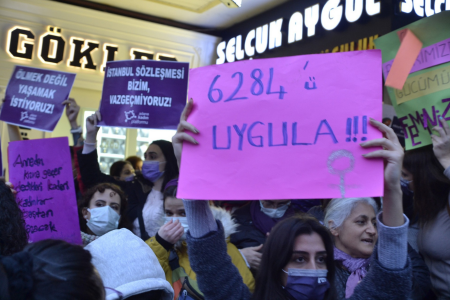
(353, 225)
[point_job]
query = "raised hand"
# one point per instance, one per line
(441, 144)
(72, 110)
(171, 231)
(181, 136)
(91, 127)
(392, 153)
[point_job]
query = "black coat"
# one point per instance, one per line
(247, 234)
(92, 175)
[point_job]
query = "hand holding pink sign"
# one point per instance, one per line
(277, 128)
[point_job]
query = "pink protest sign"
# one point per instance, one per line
(41, 172)
(284, 128)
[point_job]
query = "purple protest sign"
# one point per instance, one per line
(432, 55)
(34, 96)
(41, 172)
(144, 94)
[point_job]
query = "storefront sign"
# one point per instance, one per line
(33, 97)
(41, 172)
(295, 123)
(269, 36)
(144, 94)
(22, 43)
(424, 8)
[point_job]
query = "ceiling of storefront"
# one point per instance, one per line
(203, 13)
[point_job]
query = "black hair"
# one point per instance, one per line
(153, 295)
(101, 187)
(50, 270)
(431, 186)
(277, 252)
(134, 160)
(13, 234)
(116, 168)
(171, 170)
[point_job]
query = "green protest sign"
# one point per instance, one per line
(426, 93)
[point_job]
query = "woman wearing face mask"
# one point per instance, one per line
(255, 220)
(170, 246)
(352, 222)
(309, 249)
(102, 210)
(144, 191)
(122, 171)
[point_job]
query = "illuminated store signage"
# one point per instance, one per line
(51, 47)
(424, 8)
(269, 36)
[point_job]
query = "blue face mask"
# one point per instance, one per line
(150, 170)
(307, 284)
(130, 178)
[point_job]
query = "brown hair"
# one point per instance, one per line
(101, 187)
(431, 186)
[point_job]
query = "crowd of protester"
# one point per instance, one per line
(142, 242)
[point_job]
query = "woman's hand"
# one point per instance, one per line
(392, 153)
(171, 231)
(72, 110)
(181, 136)
(441, 144)
(91, 127)
(252, 256)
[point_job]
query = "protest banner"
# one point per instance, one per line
(426, 93)
(284, 128)
(33, 97)
(144, 94)
(43, 179)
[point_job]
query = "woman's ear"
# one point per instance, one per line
(332, 228)
(86, 214)
(116, 178)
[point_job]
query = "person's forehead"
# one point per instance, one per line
(154, 148)
(107, 195)
(310, 243)
(363, 208)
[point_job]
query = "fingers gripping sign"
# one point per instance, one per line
(181, 135)
(441, 143)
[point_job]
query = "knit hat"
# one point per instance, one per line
(127, 264)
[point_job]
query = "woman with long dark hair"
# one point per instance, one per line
(304, 270)
(13, 235)
(429, 167)
(145, 190)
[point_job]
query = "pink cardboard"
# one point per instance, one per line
(41, 172)
(404, 60)
(284, 128)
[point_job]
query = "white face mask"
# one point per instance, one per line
(275, 213)
(103, 220)
(183, 222)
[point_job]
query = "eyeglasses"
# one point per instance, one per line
(117, 292)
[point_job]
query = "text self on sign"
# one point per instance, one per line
(43, 179)
(284, 128)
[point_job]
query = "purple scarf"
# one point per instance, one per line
(356, 266)
(263, 222)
